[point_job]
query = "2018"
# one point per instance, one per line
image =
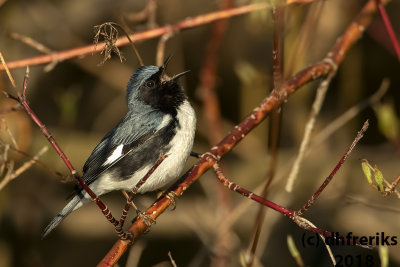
(354, 260)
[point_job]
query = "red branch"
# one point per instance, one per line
(246, 193)
(389, 28)
(320, 69)
(337, 167)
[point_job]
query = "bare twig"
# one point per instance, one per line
(389, 28)
(160, 56)
(172, 259)
(337, 167)
(316, 107)
(394, 185)
(350, 113)
(30, 42)
(11, 176)
(9, 133)
(352, 200)
(38, 46)
(246, 193)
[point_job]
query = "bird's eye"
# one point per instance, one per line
(150, 84)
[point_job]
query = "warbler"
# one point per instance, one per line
(159, 121)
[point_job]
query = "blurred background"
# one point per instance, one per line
(80, 100)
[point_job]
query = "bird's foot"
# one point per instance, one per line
(195, 154)
(171, 195)
(124, 235)
(147, 219)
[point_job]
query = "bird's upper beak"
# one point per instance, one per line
(165, 64)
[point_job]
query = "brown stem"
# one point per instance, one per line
(274, 124)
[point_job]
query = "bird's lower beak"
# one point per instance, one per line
(177, 76)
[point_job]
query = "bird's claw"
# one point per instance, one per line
(171, 195)
(125, 235)
(147, 219)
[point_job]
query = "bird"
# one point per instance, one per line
(159, 121)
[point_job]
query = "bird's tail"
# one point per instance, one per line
(75, 203)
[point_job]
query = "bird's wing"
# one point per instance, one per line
(132, 131)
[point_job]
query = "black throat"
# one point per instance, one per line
(166, 96)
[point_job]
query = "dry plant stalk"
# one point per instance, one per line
(316, 107)
(11, 175)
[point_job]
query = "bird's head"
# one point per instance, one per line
(149, 85)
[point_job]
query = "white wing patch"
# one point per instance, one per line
(115, 155)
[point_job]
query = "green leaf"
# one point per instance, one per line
(388, 122)
(367, 170)
(378, 176)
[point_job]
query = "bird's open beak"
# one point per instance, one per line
(164, 66)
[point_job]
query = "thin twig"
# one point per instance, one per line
(360, 134)
(389, 28)
(172, 259)
(246, 193)
(23, 168)
(10, 77)
(394, 184)
(316, 107)
(38, 46)
(160, 55)
(30, 42)
(350, 113)
(9, 133)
